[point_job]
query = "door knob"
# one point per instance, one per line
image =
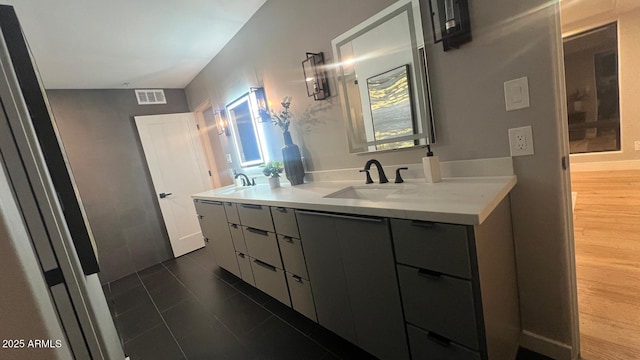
(164, 195)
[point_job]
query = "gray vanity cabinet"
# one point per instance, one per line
(351, 266)
(215, 230)
(458, 287)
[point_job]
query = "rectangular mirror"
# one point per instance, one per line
(388, 47)
(247, 138)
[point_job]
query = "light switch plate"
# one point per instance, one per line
(228, 156)
(516, 94)
(521, 141)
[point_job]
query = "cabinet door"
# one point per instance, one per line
(319, 238)
(215, 229)
(370, 271)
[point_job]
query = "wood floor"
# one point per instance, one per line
(607, 241)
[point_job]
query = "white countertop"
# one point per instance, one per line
(459, 200)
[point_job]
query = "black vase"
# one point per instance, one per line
(292, 160)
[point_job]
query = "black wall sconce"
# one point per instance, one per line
(221, 123)
(450, 22)
(259, 100)
(315, 77)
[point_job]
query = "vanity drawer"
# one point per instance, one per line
(301, 296)
(262, 245)
(434, 246)
(425, 345)
(232, 212)
(238, 238)
(245, 268)
(284, 220)
(439, 303)
(292, 256)
(271, 280)
(255, 216)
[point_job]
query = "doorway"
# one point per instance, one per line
(605, 172)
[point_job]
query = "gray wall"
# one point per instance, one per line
(106, 157)
(511, 39)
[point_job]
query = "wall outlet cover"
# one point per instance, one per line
(521, 141)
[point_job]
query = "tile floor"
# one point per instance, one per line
(188, 308)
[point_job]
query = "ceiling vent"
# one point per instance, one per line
(150, 97)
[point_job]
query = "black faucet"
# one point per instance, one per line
(245, 179)
(381, 175)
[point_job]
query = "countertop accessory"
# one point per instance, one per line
(431, 165)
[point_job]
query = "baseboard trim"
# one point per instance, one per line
(605, 165)
(545, 346)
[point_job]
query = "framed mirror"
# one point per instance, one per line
(248, 139)
(382, 79)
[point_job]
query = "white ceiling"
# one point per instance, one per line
(98, 44)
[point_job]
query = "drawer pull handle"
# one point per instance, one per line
(297, 278)
(241, 255)
(235, 226)
(251, 206)
(439, 339)
(258, 231)
(429, 274)
(211, 202)
(338, 216)
(265, 265)
(200, 217)
(281, 209)
(288, 239)
(423, 224)
(205, 239)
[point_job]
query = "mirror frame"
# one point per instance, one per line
(233, 126)
(419, 76)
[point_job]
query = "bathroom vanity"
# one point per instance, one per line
(404, 271)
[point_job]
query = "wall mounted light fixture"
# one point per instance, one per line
(221, 122)
(450, 22)
(315, 77)
(259, 104)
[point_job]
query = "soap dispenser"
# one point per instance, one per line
(431, 165)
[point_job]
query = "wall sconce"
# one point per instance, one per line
(315, 76)
(259, 101)
(450, 22)
(221, 123)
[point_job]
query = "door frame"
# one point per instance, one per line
(563, 140)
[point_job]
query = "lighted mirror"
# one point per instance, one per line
(382, 80)
(248, 138)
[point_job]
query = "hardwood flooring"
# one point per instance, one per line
(607, 242)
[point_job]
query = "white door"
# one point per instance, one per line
(178, 169)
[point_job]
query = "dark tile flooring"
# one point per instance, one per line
(189, 308)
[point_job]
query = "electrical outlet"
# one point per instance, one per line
(521, 141)
(228, 156)
(636, 145)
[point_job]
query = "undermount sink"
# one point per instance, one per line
(371, 193)
(232, 190)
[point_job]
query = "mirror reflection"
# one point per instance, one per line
(382, 79)
(391, 108)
